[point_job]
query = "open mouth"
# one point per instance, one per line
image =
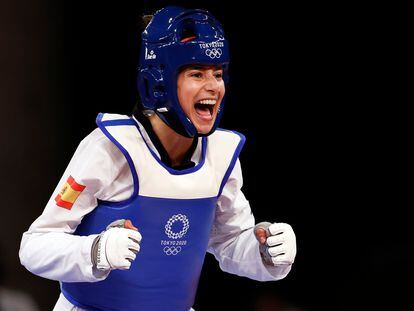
(204, 108)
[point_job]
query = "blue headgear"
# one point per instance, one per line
(176, 37)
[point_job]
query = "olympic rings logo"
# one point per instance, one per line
(168, 227)
(172, 250)
(214, 53)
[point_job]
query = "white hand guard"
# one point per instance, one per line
(116, 247)
(278, 245)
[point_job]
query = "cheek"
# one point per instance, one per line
(222, 90)
(186, 95)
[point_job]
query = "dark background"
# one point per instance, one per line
(315, 91)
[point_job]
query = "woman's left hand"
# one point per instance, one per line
(277, 243)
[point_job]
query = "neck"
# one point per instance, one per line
(175, 144)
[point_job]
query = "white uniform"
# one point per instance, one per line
(49, 249)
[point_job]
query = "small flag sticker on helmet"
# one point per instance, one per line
(69, 193)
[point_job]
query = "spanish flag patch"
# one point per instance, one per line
(69, 193)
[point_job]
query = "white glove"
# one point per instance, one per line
(117, 246)
(277, 243)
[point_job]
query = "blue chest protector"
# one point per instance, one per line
(175, 234)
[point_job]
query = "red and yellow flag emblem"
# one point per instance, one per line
(69, 193)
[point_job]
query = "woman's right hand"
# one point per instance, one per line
(117, 246)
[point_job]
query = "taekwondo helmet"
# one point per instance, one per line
(174, 38)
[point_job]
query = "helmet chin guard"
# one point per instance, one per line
(177, 37)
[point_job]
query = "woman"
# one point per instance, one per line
(145, 197)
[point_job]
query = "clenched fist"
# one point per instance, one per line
(277, 243)
(117, 246)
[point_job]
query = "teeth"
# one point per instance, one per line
(208, 102)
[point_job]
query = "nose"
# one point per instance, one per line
(212, 84)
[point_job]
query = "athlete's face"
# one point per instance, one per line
(200, 90)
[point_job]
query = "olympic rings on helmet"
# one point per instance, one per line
(214, 53)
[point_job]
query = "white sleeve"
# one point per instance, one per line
(232, 240)
(48, 248)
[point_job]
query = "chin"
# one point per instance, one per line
(204, 129)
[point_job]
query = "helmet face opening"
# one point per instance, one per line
(174, 39)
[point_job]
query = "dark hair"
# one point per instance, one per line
(145, 20)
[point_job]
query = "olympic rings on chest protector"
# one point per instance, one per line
(172, 250)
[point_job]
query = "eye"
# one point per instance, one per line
(218, 75)
(196, 74)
